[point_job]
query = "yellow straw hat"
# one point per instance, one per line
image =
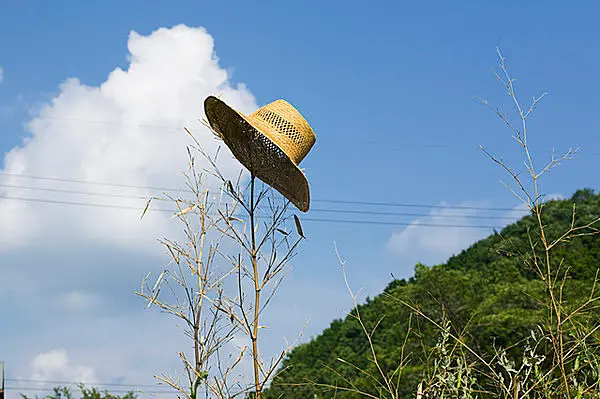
(270, 143)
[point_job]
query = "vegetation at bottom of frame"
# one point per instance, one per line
(488, 293)
(63, 392)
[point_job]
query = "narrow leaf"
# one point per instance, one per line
(146, 207)
(158, 280)
(298, 226)
(153, 299)
(186, 210)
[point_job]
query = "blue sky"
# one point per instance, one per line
(390, 89)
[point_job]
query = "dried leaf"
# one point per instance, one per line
(145, 279)
(285, 233)
(158, 280)
(230, 187)
(298, 226)
(153, 299)
(186, 210)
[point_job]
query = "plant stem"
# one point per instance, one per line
(555, 303)
(257, 289)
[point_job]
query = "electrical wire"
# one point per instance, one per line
(112, 384)
(318, 210)
(66, 191)
(173, 392)
(309, 219)
(96, 183)
(333, 201)
(25, 384)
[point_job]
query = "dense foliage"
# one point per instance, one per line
(492, 299)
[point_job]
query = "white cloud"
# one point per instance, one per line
(78, 300)
(435, 244)
(170, 73)
(71, 271)
(55, 365)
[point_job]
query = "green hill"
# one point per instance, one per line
(491, 298)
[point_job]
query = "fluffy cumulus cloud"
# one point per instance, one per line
(56, 365)
(128, 130)
(445, 232)
(69, 271)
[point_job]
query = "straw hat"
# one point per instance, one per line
(270, 143)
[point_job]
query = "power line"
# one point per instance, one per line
(172, 392)
(114, 387)
(319, 210)
(309, 219)
(96, 183)
(396, 204)
(60, 190)
(115, 384)
(88, 204)
(384, 223)
(333, 201)
(376, 213)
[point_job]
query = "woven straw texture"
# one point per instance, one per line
(270, 143)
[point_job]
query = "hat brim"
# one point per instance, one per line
(259, 154)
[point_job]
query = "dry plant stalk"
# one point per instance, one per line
(540, 259)
(387, 383)
(531, 378)
(527, 379)
(235, 243)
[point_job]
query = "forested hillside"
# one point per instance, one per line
(490, 296)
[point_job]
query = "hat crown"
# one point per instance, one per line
(287, 128)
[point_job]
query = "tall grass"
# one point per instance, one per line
(561, 356)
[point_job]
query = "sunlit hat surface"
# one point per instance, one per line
(271, 142)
